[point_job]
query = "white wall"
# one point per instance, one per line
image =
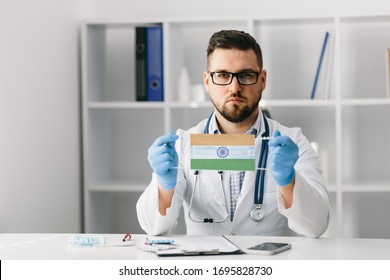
(40, 176)
(199, 8)
(39, 115)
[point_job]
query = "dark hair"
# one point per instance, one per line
(234, 39)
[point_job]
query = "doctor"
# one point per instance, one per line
(287, 198)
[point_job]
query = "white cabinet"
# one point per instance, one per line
(348, 118)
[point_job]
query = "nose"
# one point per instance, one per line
(235, 85)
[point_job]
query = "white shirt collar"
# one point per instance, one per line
(255, 128)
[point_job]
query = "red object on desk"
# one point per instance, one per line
(127, 237)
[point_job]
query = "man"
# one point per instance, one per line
(294, 199)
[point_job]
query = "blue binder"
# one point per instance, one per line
(313, 91)
(154, 64)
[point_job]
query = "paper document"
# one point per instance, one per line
(200, 245)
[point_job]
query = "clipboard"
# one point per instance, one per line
(201, 246)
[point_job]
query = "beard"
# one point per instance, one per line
(237, 113)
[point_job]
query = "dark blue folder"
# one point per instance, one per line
(154, 63)
(140, 48)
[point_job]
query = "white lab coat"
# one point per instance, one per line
(308, 215)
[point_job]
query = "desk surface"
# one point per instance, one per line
(55, 246)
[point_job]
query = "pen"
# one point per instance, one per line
(127, 237)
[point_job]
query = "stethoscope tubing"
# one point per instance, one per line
(262, 163)
(260, 175)
(208, 220)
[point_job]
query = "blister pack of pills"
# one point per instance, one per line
(86, 240)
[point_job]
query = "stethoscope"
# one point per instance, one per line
(258, 213)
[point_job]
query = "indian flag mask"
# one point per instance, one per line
(222, 152)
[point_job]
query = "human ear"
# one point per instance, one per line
(263, 78)
(206, 81)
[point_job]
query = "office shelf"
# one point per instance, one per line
(117, 187)
(125, 105)
(348, 117)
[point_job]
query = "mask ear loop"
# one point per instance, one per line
(207, 220)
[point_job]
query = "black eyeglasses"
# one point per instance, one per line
(226, 78)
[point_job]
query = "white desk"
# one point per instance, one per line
(55, 246)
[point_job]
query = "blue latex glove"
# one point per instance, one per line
(164, 161)
(284, 155)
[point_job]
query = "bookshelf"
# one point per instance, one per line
(347, 118)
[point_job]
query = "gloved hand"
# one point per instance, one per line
(164, 161)
(284, 155)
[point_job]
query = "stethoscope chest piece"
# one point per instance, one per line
(257, 214)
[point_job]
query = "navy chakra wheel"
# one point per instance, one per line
(222, 152)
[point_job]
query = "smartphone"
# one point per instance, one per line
(268, 248)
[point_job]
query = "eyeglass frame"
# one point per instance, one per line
(235, 75)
